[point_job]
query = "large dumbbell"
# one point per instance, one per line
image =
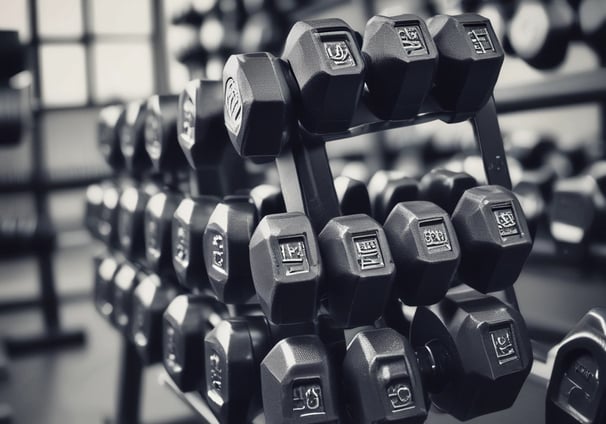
(299, 383)
(576, 391)
(473, 351)
(471, 357)
(491, 228)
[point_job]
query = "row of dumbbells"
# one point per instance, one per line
(286, 261)
(537, 31)
(540, 31)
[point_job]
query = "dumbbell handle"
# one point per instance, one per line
(434, 364)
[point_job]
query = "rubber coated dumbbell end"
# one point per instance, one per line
(286, 267)
(257, 105)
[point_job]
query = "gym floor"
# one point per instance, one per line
(78, 385)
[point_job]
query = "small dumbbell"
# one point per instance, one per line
(151, 298)
(187, 320)
(126, 280)
(381, 379)
(233, 351)
(299, 383)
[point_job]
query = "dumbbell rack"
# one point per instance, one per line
(300, 172)
(53, 335)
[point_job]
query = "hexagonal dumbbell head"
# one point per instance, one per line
(359, 269)
(382, 380)
(94, 203)
(187, 320)
(161, 141)
(479, 351)
(353, 196)
(286, 268)
(158, 219)
(426, 251)
(106, 267)
(131, 225)
(126, 281)
(298, 383)
(188, 225)
(257, 92)
(470, 62)
(151, 298)
(232, 354)
(225, 247)
(445, 188)
(552, 27)
(577, 392)
(109, 126)
(388, 188)
(328, 67)
(494, 238)
(402, 58)
(108, 217)
(132, 139)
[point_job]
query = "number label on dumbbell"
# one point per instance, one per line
(218, 252)
(400, 396)
(182, 246)
(293, 255)
(307, 399)
(480, 39)
(435, 236)
(338, 54)
(139, 325)
(189, 121)
(233, 106)
(368, 251)
(216, 372)
(503, 344)
(412, 40)
(506, 220)
(170, 350)
(153, 136)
